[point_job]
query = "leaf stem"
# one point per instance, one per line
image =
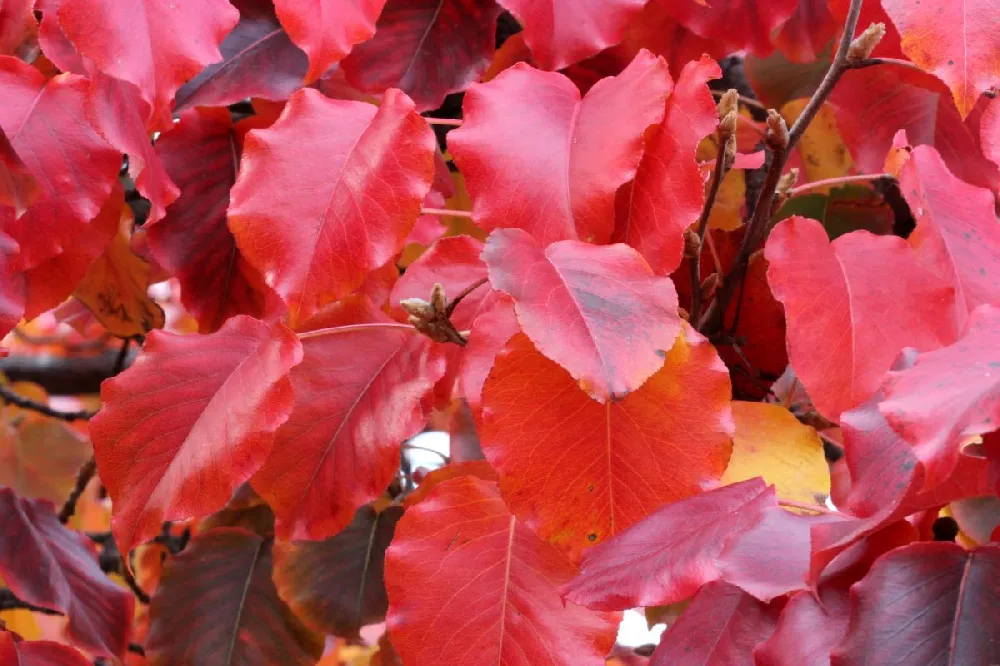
(462, 294)
(445, 212)
(871, 62)
(717, 175)
(10, 601)
(449, 122)
(808, 507)
(795, 191)
(335, 330)
(83, 477)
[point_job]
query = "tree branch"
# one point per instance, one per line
(63, 375)
(83, 477)
(717, 175)
(11, 397)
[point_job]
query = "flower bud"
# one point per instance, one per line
(865, 43)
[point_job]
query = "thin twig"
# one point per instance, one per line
(136, 648)
(83, 477)
(762, 211)
(133, 584)
(449, 122)
(446, 212)
(748, 101)
(10, 601)
(840, 180)
(462, 294)
(11, 397)
(717, 175)
(121, 358)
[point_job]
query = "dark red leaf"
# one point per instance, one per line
(499, 602)
(37, 653)
(561, 32)
(667, 194)
(837, 296)
(367, 181)
(948, 395)
(358, 396)
(807, 33)
(218, 594)
(201, 153)
(46, 122)
(809, 627)
(577, 302)
(721, 627)
(11, 287)
(258, 60)
(50, 566)
(426, 48)
(17, 24)
(191, 420)
(490, 332)
(737, 25)
(958, 234)
(926, 603)
(735, 533)
(537, 157)
(327, 29)
(156, 45)
(336, 585)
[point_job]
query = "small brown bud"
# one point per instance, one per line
(730, 154)
(788, 181)
(709, 286)
(777, 130)
(727, 126)
(417, 308)
(438, 300)
(684, 314)
(729, 103)
(865, 43)
(692, 244)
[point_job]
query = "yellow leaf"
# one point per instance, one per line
(771, 443)
(823, 152)
(115, 287)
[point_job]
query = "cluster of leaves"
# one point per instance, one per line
(643, 308)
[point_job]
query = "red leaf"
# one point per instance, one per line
(577, 302)
(336, 585)
(47, 126)
(873, 104)
(201, 153)
(837, 297)
(721, 627)
(809, 627)
(501, 592)
(189, 421)
(358, 395)
(949, 394)
(17, 24)
(367, 181)
(18, 187)
(736, 533)
(218, 594)
(156, 45)
(116, 110)
(11, 287)
(37, 653)
(490, 332)
(953, 41)
(579, 472)
(561, 32)
(667, 194)
(989, 131)
(806, 34)
(736, 25)
(426, 48)
(514, 147)
(258, 60)
(926, 603)
(327, 29)
(50, 566)
(957, 235)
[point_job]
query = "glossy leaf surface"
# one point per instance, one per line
(578, 302)
(502, 590)
(538, 157)
(38, 653)
(192, 419)
(367, 181)
(835, 295)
